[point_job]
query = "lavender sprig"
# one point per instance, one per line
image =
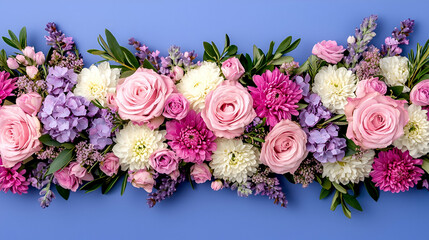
(47, 194)
(165, 189)
(399, 37)
(143, 53)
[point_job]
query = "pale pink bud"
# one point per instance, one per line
(12, 63)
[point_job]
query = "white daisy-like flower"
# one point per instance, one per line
(395, 70)
(416, 133)
(234, 160)
(135, 144)
(334, 86)
(95, 82)
(351, 169)
(198, 82)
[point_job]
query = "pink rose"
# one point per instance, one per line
(200, 173)
(110, 164)
(177, 73)
(29, 52)
(40, 58)
(176, 106)
(80, 172)
(12, 63)
(164, 161)
(21, 59)
(420, 93)
(284, 148)
(375, 121)
(217, 185)
(30, 103)
(329, 51)
(67, 180)
(174, 175)
(111, 101)
(228, 109)
(19, 135)
(142, 179)
(31, 71)
(141, 96)
(369, 86)
(232, 69)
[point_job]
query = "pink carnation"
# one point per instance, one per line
(369, 86)
(7, 85)
(328, 51)
(11, 179)
(396, 171)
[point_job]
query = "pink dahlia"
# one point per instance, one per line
(191, 139)
(11, 179)
(396, 171)
(7, 85)
(275, 96)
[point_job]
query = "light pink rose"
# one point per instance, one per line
(176, 106)
(31, 71)
(30, 103)
(201, 173)
(154, 123)
(110, 164)
(177, 73)
(228, 109)
(217, 185)
(80, 172)
(375, 121)
(164, 161)
(12, 63)
(141, 96)
(232, 69)
(174, 175)
(420, 93)
(21, 59)
(369, 86)
(67, 180)
(40, 58)
(285, 147)
(328, 51)
(142, 179)
(19, 135)
(111, 101)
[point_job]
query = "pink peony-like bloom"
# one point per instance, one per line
(284, 148)
(177, 73)
(217, 185)
(329, 51)
(110, 164)
(275, 96)
(141, 96)
(176, 106)
(228, 109)
(419, 95)
(201, 173)
(67, 180)
(232, 69)
(190, 138)
(164, 161)
(142, 179)
(19, 135)
(11, 179)
(396, 171)
(80, 172)
(375, 121)
(30, 103)
(369, 86)
(7, 85)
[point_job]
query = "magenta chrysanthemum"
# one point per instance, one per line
(275, 96)
(7, 85)
(396, 171)
(11, 179)
(191, 139)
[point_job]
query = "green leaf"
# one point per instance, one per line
(352, 202)
(425, 165)
(289, 177)
(346, 210)
(281, 60)
(48, 141)
(335, 201)
(208, 48)
(326, 184)
(371, 189)
(270, 50)
(292, 46)
(65, 193)
(93, 185)
(131, 59)
(61, 161)
(23, 37)
(231, 50)
(227, 41)
(124, 183)
(10, 43)
(127, 73)
(352, 148)
(324, 193)
(96, 52)
(109, 184)
(396, 90)
(216, 50)
(256, 54)
(67, 145)
(284, 45)
(114, 46)
(148, 65)
(302, 105)
(12, 36)
(339, 188)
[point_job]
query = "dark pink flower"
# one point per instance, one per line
(7, 85)
(11, 179)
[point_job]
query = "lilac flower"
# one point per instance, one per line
(60, 80)
(26, 85)
(325, 144)
(143, 53)
(369, 66)
(314, 112)
(57, 39)
(37, 177)
(307, 171)
(86, 154)
(165, 189)
(399, 37)
(177, 58)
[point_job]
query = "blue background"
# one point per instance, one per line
(203, 213)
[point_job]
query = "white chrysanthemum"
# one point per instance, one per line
(416, 133)
(135, 144)
(334, 86)
(95, 82)
(198, 82)
(351, 169)
(395, 70)
(234, 160)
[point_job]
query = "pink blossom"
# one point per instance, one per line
(13, 180)
(217, 185)
(328, 51)
(29, 52)
(31, 71)
(232, 69)
(164, 161)
(142, 179)
(176, 106)
(201, 173)
(40, 58)
(420, 93)
(30, 103)
(369, 86)
(110, 164)
(12, 63)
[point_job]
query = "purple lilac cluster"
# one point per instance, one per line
(314, 112)
(86, 154)
(398, 37)
(307, 171)
(363, 35)
(166, 189)
(49, 153)
(38, 178)
(57, 39)
(143, 53)
(177, 58)
(369, 66)
(26, 85)
(71, 61)
(325, 144)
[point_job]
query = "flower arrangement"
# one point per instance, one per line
(347, 116)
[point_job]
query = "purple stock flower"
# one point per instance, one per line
(314, 112)
(57, 39)
(369, 66)
(60, 80)
(165, 189)
(399, 37)
(325, 144)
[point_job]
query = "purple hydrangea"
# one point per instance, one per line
(314, 112)
(60, 80)
(304, 84)
(325, 144)
(100, 132)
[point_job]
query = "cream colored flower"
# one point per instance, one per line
(395, 71)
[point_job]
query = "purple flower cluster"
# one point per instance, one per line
(100, 131)
(37, 176)
(253, 130)
(363, 35)
(399, 37)
(304, 84)
(57, 39)
(177, 58)
(47, 197)
(143, 53)
(49, 153)
(60, 80)
(26, 85)
(369, 66)
(166, 189)
(325, 144)
(70, 61)
(314, 112)
(86, 154)
(307, 171)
